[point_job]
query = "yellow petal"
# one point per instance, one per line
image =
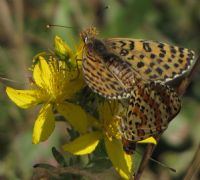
(24, 98)
(148, 140)
(84, 144)
(42, 73)
(105, 110)
(76, 116)
(121, 161)
(74, 85)
(79, 52)
(62, 49)
(44, 124)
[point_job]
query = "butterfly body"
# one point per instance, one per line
(139, 70)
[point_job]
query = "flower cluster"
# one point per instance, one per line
(57, 79)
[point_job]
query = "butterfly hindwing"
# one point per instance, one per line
(152, 106)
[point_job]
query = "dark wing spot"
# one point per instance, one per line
(163, 51)
(113, 44)
(181, 55)
(131, 57)
(172, 56)
(159, 70)
(181, 49)
(176, 65)
(141, 56)
(147, 47)
(129, 113)
(188, 59)
(166, 66)
(159, 61)
(160, 45)
(124, 52)
(152, 56)
(173, 50)
(122, 43)
(152, 64)
(180, 61)
(147, 71)
(169, 60)
(153, 76)
(174, 73)
(161, 55)
(140, 64)
(131, 45)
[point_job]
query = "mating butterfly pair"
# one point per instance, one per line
(118, 68)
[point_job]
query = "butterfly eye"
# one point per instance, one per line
(86, 39)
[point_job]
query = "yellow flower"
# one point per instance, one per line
(54, 83)
(64, 52)
(108, 131)
(62, 49)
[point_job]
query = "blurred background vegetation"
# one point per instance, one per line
(23, 35)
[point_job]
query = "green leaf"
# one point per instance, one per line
(59, 157)
(44, 165)
(99, 165)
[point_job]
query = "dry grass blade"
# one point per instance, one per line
(194, 167)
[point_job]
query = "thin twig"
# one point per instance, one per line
(181, 91)
(19, 16)
(148, 152)
(6, 20)
(194, 166)
(15, 38)
(185, 83)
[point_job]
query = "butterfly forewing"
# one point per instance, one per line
(153, 60)
(100, 79)
(106, 73)
(152, 106)
(113, 66)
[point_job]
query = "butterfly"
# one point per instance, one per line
(111, 67)
(151, 107)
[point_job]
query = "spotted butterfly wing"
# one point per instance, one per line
(104, 72)
(153, 60)
(107, 63)
(100, 79)
(152, 106)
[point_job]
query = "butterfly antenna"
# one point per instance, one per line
(105, 8)
(3, 80)
(163, 165)
(160, 163)
(48, 26)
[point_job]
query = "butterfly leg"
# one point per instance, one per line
(78, 70)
